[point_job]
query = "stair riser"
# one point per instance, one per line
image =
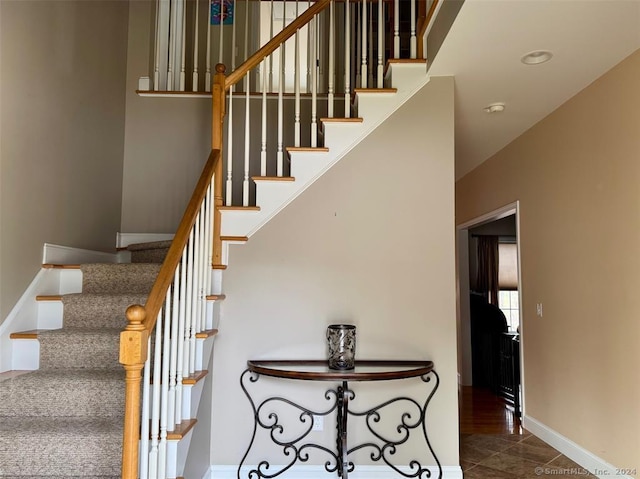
(50, 314)
(25, 354)
(149, 256)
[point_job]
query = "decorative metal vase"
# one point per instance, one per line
(342, 346)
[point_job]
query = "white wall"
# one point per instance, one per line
(371, 243)
(62, 131)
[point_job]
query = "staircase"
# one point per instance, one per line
(46, 431)
(65, 419)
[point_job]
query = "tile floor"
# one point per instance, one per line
(509, 456)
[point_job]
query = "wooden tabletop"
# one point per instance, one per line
(318, 370)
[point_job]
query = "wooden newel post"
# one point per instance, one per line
(133, 354)
(219, 96)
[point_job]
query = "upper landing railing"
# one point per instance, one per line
(311, 75)
(192, 35)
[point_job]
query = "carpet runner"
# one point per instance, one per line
(65, 420)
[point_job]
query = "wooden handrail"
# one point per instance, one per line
(255, 59)
(141, 321)
(156, 298)
(217, 116)
(423, 24)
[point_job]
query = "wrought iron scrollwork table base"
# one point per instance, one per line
(297, 448)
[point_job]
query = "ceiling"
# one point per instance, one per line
(483, 51)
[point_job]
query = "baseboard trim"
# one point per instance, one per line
(318, 472)
(595, 465)
(56, 254)
(125, 239)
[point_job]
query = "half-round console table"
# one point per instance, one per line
(381, 447)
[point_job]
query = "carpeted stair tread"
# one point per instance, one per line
(65, 420)
(152, 252)
(149, 245)
(90, 348)
(96, 393)
(53, 446)
(98, 310)
(119, 277)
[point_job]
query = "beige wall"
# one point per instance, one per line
(167, 142)
(371, 243)
(577, 176)
(62, 132)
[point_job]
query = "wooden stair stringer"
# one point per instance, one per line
(340, 138)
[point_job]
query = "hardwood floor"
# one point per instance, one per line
(494, 445)
(481, 412)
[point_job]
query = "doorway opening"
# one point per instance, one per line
(490, 361)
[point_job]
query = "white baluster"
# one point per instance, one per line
(332, 53)
(247, 123)
(156, 57)
(370, 68)
(197, 290)
(347, 59)
(144, 417)
(229, 147)
(188, 314)
(155, 401)
(358, 42)
(183, 50)
(396, 28)
(413, 45)
(234, 44)
(273, 19)
(296, 73)
(380, 44)
(172, 46)
(314, 82)
(182, 336)
(263, 142)
(363, 68)
(204, 246)
(310, 62)
(196, 43)
(280, 152)
(173, 363)
(164, 386)
(207, 76)
(321, 49)
(209, 255)
(194, 297)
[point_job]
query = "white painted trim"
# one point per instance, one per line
(494, 215)
(56, 254)
(125, 239)
(497, 214)
(595, 465)
(318, 472)
(27, 302)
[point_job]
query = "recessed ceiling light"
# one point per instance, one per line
(494, 108)
(536, 57)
